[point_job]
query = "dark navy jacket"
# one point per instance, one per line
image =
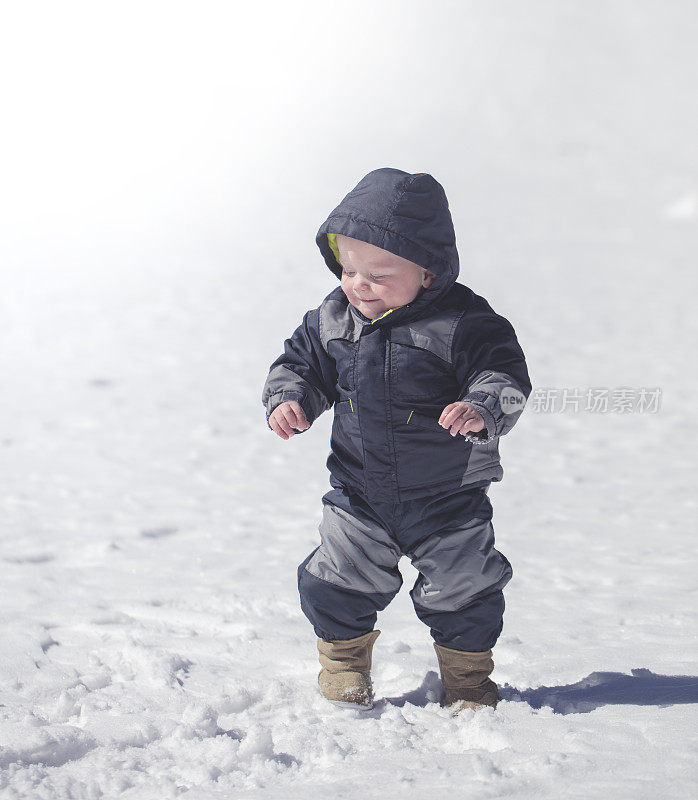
(389, 379)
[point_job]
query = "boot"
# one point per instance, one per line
(465, 679)
(345, 677)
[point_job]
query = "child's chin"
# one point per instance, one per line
(370, 310)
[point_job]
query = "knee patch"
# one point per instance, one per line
(336, 612)
(355, 554)
(457, 566)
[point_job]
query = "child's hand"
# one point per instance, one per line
(462, 418)
(287, 416)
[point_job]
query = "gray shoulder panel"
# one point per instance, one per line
(337, 321)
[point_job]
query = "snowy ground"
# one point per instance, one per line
(152, 644)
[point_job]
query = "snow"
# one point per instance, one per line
(151, 641)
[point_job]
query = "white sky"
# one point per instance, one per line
(142, 129)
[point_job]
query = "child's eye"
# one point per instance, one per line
(350, 274)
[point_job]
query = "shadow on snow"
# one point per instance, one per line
(641, 688)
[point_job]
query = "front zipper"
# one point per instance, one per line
(389, 407)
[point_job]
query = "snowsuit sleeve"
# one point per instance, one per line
(304, 372)
(491, 371)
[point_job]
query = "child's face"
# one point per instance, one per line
(375, 280)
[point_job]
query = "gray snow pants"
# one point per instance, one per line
(449, 538)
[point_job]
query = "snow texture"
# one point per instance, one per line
(159, 211)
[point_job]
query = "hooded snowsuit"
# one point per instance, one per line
(403, 484)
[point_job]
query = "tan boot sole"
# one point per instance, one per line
(347, 704)
(462, 705)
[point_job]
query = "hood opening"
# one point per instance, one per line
(406, 214)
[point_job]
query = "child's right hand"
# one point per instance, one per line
(287, 416)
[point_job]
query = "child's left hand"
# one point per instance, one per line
(462, 418)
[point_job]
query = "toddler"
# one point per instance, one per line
(424, 377)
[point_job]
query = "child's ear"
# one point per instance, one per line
(427, 278)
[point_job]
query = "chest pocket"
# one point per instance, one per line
(418, 374)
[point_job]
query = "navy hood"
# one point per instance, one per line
(405, 214)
